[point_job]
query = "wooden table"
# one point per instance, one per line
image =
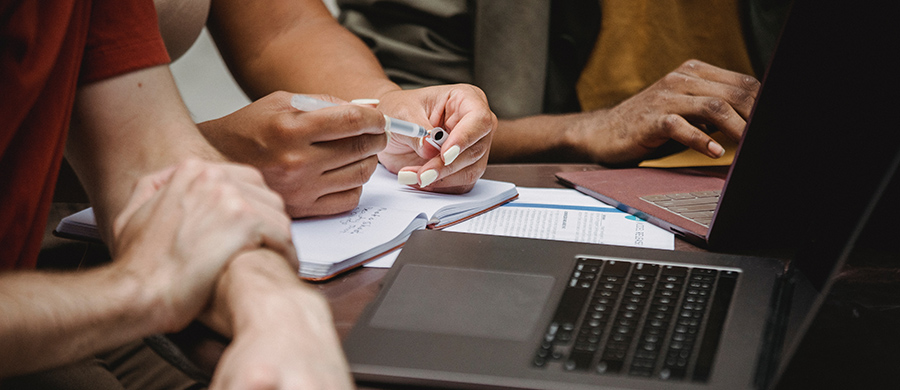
(853, 343)
(350, 293)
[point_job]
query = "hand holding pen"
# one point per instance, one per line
(454, 165)
(435, 136)
(317, 161)
(460, 109)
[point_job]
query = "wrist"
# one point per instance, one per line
(299, 307)
(226, 145)
(596, 137)
(575, 132)
(557, 138)
(141, 300)
(259, 288)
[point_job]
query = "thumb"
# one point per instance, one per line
(145, 188)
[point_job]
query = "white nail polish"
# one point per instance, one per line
(451, 154)
(428, 177)
(407, 178)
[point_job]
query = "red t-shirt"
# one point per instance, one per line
(48, 48)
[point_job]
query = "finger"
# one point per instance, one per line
(682, 131)
(467, 169)
(301, 197)
(713, 73)
(738, 89)
(333, 123)
(716, 112)
(328, 204)
(434, 177)
(459, 182)
(233, 185)
(186, 173)
(241, 173)
(373, 103)
(249, 187)
(466, 144)
(252, 217)
(338, 153)
(468, 122)
(421, 148)
(319, 96)
(461, 139)
(280, 240)
(305, 201)
(144, 190)
(266, 227)
(349, 176)
(250, 180)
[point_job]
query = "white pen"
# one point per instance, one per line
(393, 125)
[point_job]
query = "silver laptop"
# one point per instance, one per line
(463, 310)
(470, 311)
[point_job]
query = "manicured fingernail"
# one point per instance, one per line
(407, 178)
(373, 102)
(716, 149)
(428, 177)
(451, 154)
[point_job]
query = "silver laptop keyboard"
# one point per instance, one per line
(696, 206)
(639, 319)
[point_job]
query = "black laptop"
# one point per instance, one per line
(823, 116)
(471, 311)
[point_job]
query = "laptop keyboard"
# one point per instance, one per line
(696, 206)
(638, 319)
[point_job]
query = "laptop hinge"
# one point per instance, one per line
(775, 330)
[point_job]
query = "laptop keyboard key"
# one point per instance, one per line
(695, 206)
(671, 270)
(706, 194)
(717, 310)
(616, 269)
(580, 360)
(681, 196)
(638, 319)
(609, 366)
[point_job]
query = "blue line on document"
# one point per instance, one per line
(563, 207)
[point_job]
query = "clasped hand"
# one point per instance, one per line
(182, 226)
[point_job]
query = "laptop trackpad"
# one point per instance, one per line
(466, 302)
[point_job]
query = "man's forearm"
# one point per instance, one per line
(125, 128)
(51, 319)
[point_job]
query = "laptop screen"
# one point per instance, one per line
(833, 76)
(823, 120)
